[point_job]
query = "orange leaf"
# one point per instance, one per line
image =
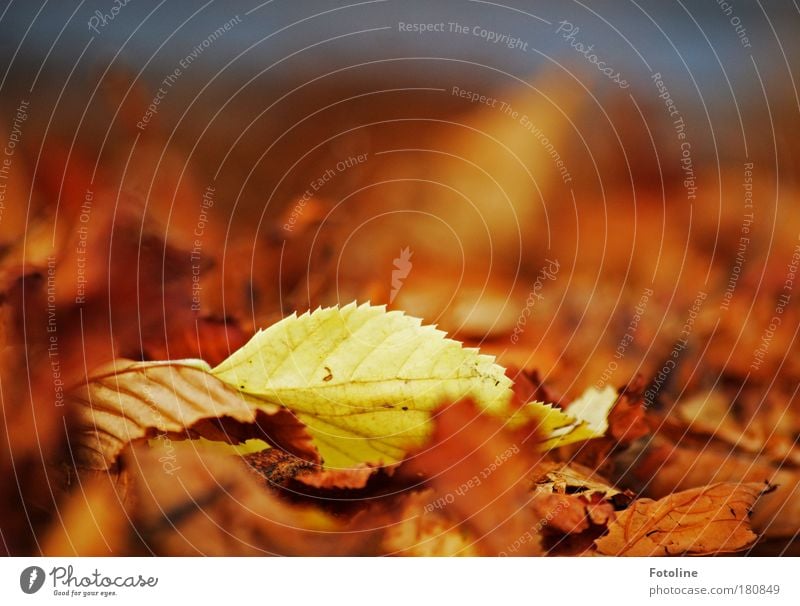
(711, 519)
(480, 473)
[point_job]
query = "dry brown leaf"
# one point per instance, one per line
(666, 467)
(575, 505)
(707, 520)
(575, 479)
(125, 402)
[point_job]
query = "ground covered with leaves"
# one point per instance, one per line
(358, 430)
(600, 390)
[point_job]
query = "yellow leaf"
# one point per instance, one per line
(365, 382)
(558, 427)
(593, 407)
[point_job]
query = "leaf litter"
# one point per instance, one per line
(370, 433)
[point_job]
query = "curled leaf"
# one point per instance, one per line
(126, 401)
(576, 479)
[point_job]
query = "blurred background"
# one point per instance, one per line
(587, 190)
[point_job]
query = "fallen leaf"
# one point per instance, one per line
(710, 519)
(664, 467)
(554, 427)
(626, 423)
(575, 479)
(480, 474)
(126, 401)
(361, 382)
(575, 506)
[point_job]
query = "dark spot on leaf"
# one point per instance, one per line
(329, 376)
(405, 407)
